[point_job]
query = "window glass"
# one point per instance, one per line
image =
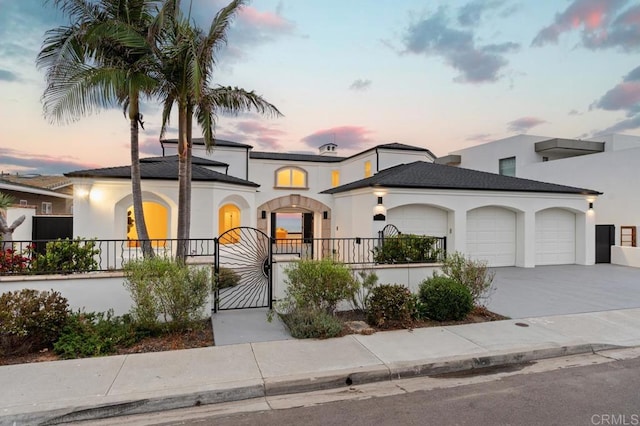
(507, 166)
(291, 177)
(228, 218)
(367, 169)
(335, 178)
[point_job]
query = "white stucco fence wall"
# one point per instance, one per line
(625, 256)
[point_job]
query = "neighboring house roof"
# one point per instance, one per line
(161, 170)
(216, 142)
(399, 147)
(51, 182)
(199, 161)
(257, 155)
(17, 187)
(424, 175)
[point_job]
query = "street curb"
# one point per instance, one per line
(299, 384)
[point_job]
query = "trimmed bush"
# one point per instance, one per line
(390, 305)
(31, 320)
(227, 277)
(407, 248)
(445, 299)
(307, 323)
(162, 287)
(473, 274)
(90, 334)
(66, 257)
(319, 285)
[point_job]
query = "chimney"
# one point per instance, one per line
(329, 149)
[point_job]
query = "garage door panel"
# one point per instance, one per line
(491, 235)
(555, 237)
(419, 219)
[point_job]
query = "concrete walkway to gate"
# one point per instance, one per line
(564, 289)
(247, 326)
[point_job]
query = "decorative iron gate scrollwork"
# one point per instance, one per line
(247, 253)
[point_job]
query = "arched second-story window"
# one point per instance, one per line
(156, 217)
(228, 218)
(291, 177)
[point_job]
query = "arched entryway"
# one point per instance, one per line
(295, 216)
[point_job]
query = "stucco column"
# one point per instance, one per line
(457, 232)
(526, 239)
(586, 237)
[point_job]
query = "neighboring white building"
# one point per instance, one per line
(609, 164)
(505, 220)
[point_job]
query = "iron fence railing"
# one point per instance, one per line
(80, 255)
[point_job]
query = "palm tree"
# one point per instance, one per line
(104, 58)
(188, 60)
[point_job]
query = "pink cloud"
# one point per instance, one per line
(589, 14)
(346, 137)
(623, 96)
(265, 136)
(524, 124)
(268, 20)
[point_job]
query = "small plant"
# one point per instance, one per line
(227, 277)
(390, 305)
(88, 334)
(13, 262)
(445, 299)
(367, 282)
(162, 287)
(31, 320)
(407, 248)
(473, 274)
(66, 257)
(307, 324)
(319, 285)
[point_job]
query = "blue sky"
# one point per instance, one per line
(437, 74)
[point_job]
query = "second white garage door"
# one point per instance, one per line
(491, 235)
(555, 237)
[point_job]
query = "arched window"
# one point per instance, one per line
(367, 169)
(156, 217)
(228, 218)
(291, 177)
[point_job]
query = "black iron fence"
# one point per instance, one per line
(80, 255)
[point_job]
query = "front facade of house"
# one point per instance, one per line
(504, 220)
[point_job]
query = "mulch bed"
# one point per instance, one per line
(203, 337)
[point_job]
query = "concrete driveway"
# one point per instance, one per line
(564, 289)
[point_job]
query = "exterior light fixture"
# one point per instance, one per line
(379, 211)
(590, 206)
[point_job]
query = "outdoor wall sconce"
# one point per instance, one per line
(379, 211)
(590, 206)
(325, 215)
(263, 214)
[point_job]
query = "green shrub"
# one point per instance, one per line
(407, 248)
(473, 274)
(445, 299)
(390, 305)
(307, 323)
(90, 334)
(227, 277)
(66, 256)
(367, 281)
(161, 286)
(319, 285)
(31, 320)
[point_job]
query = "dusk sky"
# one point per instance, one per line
(439, 74)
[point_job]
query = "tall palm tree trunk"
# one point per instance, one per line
(183, 143)
(136, 186)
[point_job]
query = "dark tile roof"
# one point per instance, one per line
(257, 155)
(404, 147)
(425, 175)
(218, 142)
(199, 161)
(51, 182)
(161, 171)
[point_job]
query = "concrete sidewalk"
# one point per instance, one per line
(65, 391)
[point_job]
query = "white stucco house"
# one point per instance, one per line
(508, 221)
(608, 164)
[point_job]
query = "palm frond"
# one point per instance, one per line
(233, 100)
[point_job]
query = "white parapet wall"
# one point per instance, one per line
(625, 256)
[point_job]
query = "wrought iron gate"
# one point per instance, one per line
(243, 270)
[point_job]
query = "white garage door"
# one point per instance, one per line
(419, 219)
(491, 235)
(555, 237)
